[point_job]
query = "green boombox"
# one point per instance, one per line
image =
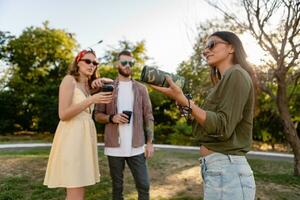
(154, 76)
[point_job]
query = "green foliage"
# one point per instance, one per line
(38, 60)
(138, 50)
(179, 133)
(162, 133)
(109, 61)
(170, 126)
(107, 71)
(5, 37)
(268, 127)
(9, 101)
(182, 134)
(164, 109)
(197, 80)
(267, 122)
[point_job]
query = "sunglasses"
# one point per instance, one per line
(88, 61)
(125, 63)
(212, 43)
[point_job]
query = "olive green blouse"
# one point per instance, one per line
(229, 119)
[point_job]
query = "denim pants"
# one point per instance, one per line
(227, 177)
(138, 167)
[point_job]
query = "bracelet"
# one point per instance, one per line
(110, 119)
(186, 111)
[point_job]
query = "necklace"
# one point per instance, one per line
(84, 89)
(86, 93)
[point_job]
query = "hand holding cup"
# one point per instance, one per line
(102, 97)
(128, 113)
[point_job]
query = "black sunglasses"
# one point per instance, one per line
(125, 63)
(212, 43)
(88, 61)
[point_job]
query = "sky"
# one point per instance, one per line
(168, 27)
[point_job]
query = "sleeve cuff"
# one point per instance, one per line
(209, 125)
(149, 117)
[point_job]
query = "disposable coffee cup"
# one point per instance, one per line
(128, 113)
(107, 88)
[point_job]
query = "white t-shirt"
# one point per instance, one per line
(125, 102)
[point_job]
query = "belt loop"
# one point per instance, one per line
(202, 164)
(200, 160)
(229, 158)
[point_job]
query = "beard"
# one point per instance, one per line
(124, 72)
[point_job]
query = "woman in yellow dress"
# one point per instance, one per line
(73, 160)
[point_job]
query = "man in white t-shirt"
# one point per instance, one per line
(125, 135)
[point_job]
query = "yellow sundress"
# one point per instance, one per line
(73, 160)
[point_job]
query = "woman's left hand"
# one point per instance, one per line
(174, 91)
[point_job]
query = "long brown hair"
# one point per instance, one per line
(73, 68)
(239, 56)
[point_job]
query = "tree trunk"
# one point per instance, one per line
(289, 128)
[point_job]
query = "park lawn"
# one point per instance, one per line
(174, 175)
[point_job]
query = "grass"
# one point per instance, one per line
(174, 175)
(27, 137)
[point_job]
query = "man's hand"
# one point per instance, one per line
(149, 150)
(97, 83)
(120, 118)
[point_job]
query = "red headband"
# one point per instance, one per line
(82, 53)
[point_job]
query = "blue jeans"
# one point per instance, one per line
(227, 177)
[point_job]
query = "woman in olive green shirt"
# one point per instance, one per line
(224, 123)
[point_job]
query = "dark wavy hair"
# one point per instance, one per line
(73, 68)
(239, 56)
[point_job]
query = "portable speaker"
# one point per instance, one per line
(154, 76)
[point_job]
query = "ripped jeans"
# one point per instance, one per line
(227, 177)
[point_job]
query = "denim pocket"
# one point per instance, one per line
(247, 185)
(214, 178)
(213, 187)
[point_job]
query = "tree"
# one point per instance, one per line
(138, 49)
(37, 59)
(266, 113)
(283, 45)
(5, 37)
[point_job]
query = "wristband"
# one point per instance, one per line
(186, 111)
(110, 119)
